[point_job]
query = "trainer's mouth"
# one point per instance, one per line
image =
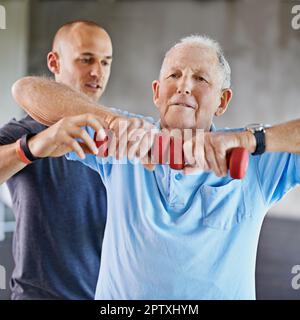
(93, 86)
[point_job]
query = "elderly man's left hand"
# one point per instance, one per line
(207, 151)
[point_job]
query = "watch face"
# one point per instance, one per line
(255, 126)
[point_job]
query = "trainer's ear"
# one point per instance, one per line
(155, 90)
(225, 99)
(53, 62)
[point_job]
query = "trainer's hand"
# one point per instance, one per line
(132, 138)
(207, 152)
(60, 138)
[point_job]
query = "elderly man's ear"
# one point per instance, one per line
(53, 62)
(224, 101)
(155, 90)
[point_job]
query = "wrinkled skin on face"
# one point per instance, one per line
(189, 92)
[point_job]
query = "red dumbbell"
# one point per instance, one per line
(237, 162)
(102, 145)
(164, 145)
(168, 149)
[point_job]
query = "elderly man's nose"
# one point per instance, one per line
(184, 86)
(183, 90)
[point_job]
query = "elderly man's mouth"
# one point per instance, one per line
(184, 105)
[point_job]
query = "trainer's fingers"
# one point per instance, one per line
(90, 120)
(74, 146)
(85, 148)
(76, 132)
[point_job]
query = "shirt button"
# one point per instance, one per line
(178, 176)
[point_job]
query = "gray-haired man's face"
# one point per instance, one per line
(188, 93)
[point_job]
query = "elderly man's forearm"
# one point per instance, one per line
(284, 137)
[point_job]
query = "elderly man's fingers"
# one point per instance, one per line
(149, 167)
(145, 145)
(189, 152)
(221, 161)
(102, 134)
(211, 159)
(122, 140)
(140, 142)
(133, 147)
(189, 170)
(112, 145)
(146, 161)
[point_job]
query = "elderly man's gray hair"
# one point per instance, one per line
(210, 43)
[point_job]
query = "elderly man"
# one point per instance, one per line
(58, 236)
(170, 235)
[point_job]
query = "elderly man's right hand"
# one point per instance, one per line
(131, 137)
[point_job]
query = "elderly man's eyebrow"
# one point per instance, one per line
(202, 72)
(199, 70)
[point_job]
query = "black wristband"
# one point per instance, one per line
(260, 142)
(25, 148)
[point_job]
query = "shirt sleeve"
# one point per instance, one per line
(14, 130)
(102, 166)
(278, 173)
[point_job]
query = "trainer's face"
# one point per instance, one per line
(189, 93)
(84, 61)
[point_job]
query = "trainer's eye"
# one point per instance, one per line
(86, 60)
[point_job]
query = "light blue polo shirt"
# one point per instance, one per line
(171, 236)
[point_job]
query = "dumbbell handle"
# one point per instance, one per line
(237, 158)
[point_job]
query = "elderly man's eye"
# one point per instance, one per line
(174, 76)
(200, 78)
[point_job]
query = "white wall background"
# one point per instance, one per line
(13, 65)
(13, 54)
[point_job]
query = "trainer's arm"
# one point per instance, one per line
(55, 141)
(48, 101)
(9, 162)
